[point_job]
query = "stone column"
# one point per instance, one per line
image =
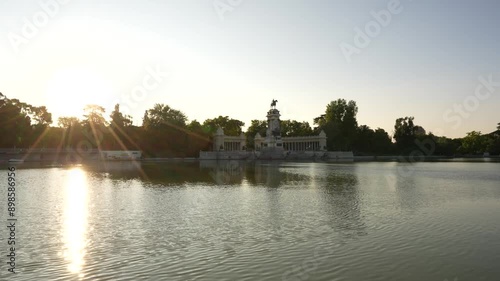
(218, 139)
(322, 140)
(243, 142)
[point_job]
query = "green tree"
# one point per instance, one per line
(119, 130)
(474, 143)
(292, 128)
(494, 146)
(231, 127)
(118, 119)
(256, 126)
(15, 123)
(320, 121)
(94, 125)
(405, 133)
(163, 116)
(445, 146)
(339, 123)
(195, 126)
(67, 122)
(364, 140)
(382, 143)
(94, 115)
(42, 116)
(419, 131)
(370, 141)
(72, 131)
(41, 127)
(165, 132)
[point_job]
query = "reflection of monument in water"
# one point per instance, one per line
(273, 146)
(255, 173)
(225, 171)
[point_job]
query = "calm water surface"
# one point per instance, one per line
(257, 221)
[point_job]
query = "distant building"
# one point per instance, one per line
(272, 139)
(273, 146)
(110, 155)
(229, 143)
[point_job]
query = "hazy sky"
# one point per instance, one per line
(423, 62)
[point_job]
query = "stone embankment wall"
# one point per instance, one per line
(48, 155)
(286, 155)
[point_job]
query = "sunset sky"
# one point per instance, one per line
(425, 61)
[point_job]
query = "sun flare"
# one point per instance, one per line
(69, 90)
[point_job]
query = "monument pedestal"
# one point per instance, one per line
(272, 153)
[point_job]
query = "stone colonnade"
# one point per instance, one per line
(312, 143)
(238, 143)
(229, 143)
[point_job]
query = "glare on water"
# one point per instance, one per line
(75, 220)
(258, 221)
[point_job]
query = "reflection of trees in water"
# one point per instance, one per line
(267, 174)
(411, 197)
(342, 202)
(225, 172)
(420, 185)
(172, 173)
(271, 174)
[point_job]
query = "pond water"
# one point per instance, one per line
(256, 221)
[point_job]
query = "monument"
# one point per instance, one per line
(273, 146)
(273, 133)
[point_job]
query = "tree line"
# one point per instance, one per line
(166, 132)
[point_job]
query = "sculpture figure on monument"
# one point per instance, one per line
(273, 103)
(276, 128)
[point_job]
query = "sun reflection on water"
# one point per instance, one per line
(75, 220)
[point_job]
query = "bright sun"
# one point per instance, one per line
(70, 89)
